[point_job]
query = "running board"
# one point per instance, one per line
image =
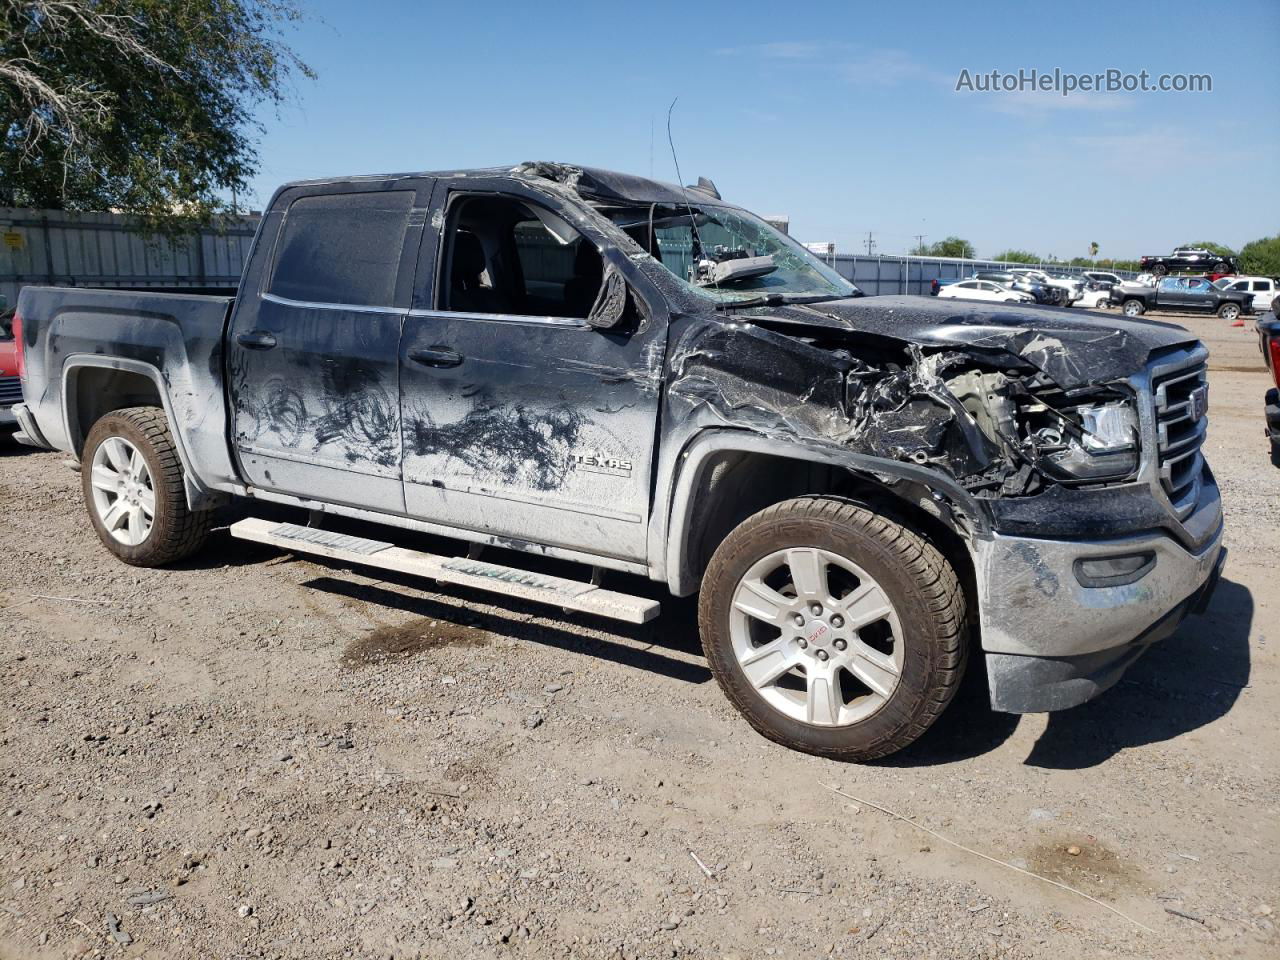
(466, 572)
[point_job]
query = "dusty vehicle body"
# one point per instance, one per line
(1051, 460)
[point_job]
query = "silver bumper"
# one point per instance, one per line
(28, 433)
(1054, 637)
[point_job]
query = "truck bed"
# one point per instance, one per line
(174, 340)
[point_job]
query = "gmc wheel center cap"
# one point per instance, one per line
(819, 635)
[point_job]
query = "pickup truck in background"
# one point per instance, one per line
(639, 377)
(1188, 259)
(1182, 295)
(1262, 290)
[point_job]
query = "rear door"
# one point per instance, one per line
(520, 420)
(1264, 292)
(313, 349)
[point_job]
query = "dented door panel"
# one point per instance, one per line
(543, 432)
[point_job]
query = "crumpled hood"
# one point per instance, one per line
(1073, 347)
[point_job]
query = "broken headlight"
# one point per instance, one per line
(1104, 447)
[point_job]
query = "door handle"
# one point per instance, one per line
(256, 340)
(436, 357)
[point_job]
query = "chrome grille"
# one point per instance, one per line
(10, 390)
(1181, 395)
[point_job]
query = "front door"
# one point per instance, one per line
(313, 350)
(520, 420)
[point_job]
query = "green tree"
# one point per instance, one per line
(1261, 257)
(952, 247)
(1093, 248)
(1220, 249)
(142, 106)
(1017, 256)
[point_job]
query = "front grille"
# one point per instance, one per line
(1181, 397)
(10, 390)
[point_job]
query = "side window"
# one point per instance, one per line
(503, 255)
(342, 248)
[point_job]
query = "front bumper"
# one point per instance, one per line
(7, 416)
(1052, 642)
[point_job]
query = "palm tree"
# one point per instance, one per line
(1093, 248)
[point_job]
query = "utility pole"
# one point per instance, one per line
(871, 244)
(920, 243)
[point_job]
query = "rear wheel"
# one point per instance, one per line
(133, 486)
(1159, 269)
(833, 630)
(1229, 311)
(1221, 267)
(1133, 308)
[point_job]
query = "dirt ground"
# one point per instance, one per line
(256, 755)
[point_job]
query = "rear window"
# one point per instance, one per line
(343, 248)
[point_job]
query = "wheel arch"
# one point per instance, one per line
(711, 496)
(93, 386)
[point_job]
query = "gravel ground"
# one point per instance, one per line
(255, 755)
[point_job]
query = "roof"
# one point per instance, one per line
(593, 184)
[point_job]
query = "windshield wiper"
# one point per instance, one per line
(779, 300)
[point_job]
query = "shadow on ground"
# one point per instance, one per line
(1184, 683)
(668, 633)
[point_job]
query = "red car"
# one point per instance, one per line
(10, 386)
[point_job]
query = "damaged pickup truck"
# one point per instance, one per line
(640, 377)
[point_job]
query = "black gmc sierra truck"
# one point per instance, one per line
(644, 378)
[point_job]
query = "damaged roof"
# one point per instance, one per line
(593, 184)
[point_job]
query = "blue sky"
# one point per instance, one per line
(844, 117)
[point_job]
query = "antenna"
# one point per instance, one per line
(693, 221)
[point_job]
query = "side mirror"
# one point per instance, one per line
(610, 308)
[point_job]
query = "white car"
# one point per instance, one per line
(983, 290)
(1095, 299)
(1264, 289)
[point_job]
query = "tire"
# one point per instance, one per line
(117, 488)
(1222, 267)
(911, 642)
(1229, 312)
(1159, 270)
(1133, 308)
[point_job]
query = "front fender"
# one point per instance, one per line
(969, 516)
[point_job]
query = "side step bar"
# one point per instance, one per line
(534, 587)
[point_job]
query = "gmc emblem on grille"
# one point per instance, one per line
(1199, 403)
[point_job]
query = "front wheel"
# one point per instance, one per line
(1229, 312)
(1133, 308)
(1159, 270)
(133, 486)
(1221, 267)
(832, 629)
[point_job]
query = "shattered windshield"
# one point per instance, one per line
(729, 254)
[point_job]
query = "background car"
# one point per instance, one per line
(1095, 296)
(1063, 291)
(1189, 259)
(1012, 281)
(983, 290)
(1264, 289)
(10, 385)
(1102, 278)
